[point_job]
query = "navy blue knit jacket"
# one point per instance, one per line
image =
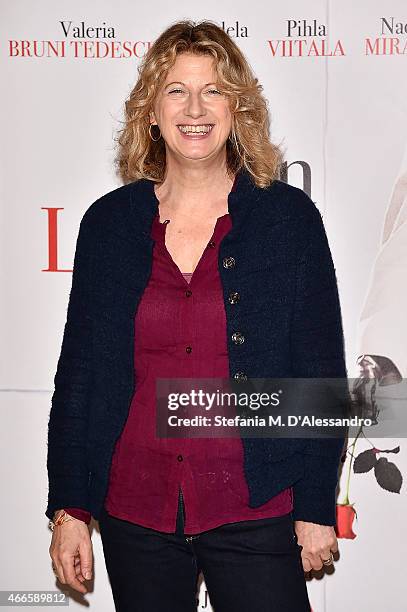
(277, 258)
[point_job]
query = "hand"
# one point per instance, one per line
(380, 367)
(71, 553)
(372, 369)
(317, 541)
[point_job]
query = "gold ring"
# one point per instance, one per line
(328, 561)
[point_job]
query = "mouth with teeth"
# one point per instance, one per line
(195, 131)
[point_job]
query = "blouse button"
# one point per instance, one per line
(188, 349)
(180, 458)
(188, 292)
(211, 244)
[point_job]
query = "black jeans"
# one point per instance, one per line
(248, 565)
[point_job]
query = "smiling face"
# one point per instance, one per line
(193, 116)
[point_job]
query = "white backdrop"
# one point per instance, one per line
(340, 108)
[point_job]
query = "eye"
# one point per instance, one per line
(175, 90)
(214, 91)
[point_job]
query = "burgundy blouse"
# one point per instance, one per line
(180, 331)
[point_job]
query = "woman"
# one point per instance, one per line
(202, 264)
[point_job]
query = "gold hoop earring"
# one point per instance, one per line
(151, 136)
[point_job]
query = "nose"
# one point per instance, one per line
(195, 106)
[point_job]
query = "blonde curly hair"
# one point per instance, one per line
(248, 145)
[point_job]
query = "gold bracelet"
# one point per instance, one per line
(62, 518)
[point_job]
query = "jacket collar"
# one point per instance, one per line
(144, 204)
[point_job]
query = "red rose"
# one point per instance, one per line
(345, 513)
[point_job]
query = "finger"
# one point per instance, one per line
(78, 573)
(86, 556)
(317, 565)
(71, 579)
(77, 566)
(56, 563)
(315, 560)
(304, 557)
(306, 564)
(306, 561)
(77, 563)
(325, 554)
(334, 547)
(59, 571)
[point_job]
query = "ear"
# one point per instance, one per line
(152, 117)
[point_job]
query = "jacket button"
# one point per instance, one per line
(240, 376)
(238, 338)
(229, 262)
(234, 297)
(211, 244)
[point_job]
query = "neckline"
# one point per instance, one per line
(161, 235)
(157, 201)
(144, 202)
